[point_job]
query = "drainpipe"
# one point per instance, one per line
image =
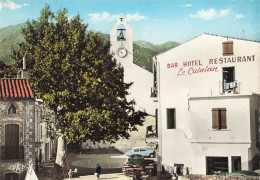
(159, 153)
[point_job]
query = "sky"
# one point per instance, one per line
(155, 21)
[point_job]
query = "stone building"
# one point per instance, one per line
(208, 95)
(26, 127)
(17, 126)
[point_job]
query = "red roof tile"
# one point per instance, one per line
(15, 88)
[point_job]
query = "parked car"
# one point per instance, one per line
(142, 151)
(137, 165)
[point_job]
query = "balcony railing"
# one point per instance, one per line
(154, 92)
(12, 152)
(151, 132)
(230, 87)
(151, 136)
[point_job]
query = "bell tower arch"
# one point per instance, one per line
(121, 41)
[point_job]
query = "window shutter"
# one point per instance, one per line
(227, 48)
(223, 118)
(215, 118)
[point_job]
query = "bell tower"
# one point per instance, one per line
(122, 42)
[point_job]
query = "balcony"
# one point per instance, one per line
(12, 152)
(154, 92)
(151, 135)
(229, 87)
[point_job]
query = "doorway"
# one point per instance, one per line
(217, 165)
(12, 176)
(12, 141)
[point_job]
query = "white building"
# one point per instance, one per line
(208, 93)
(122, 49)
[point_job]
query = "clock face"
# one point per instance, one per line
(122, 52)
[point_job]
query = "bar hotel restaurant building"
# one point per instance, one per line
(208, 92)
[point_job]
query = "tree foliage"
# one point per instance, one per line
(76, 76)
(7, 71)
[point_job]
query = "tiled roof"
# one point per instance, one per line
(15, 88)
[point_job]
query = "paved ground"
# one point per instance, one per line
(111, 161)
(114, 176)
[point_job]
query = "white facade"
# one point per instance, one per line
(122, 49)
(190, 85)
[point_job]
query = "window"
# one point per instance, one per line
(229, 83)
(171, 119)
(41, 131)
(47, 127)
(217, 165)
(228, 74)
(227, 48)
(236, 163)
(179, 169)
(154, 91)
(12, 110)
(219, 118)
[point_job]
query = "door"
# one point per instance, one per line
(12, 141)
(12, 176)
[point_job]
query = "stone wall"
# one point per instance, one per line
(25, 118)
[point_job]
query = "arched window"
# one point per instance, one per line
(121, 33)
(12, 110)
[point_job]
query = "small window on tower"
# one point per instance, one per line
(227, 48)
(121, 33)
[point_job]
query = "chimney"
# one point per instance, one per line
(23, 72)
(24, 63)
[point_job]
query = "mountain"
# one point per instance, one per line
(157, 48)
(10, 36)
(144, 51)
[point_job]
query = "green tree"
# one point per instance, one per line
(7, 70)
(76, 76)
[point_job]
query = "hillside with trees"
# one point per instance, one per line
(10, 36)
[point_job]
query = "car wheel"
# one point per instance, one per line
(151, 155)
